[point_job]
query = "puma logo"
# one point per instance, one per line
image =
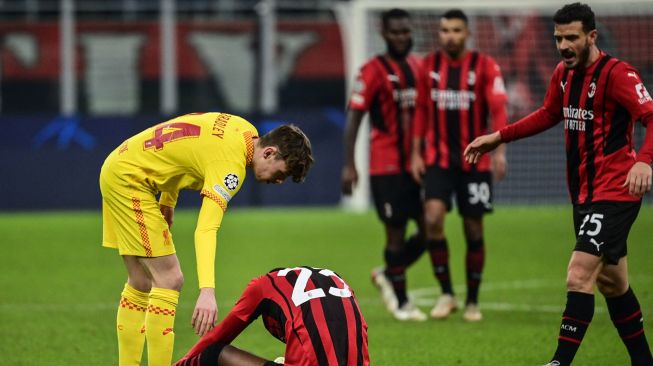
(598, 245)
(167, 331)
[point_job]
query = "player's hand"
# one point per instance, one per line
(481, 145)
(638, 179)
(168, 214)
(499, 166)
(417, 167)
(206, 311)
(349, 179)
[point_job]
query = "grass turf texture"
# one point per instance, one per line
(60, 289)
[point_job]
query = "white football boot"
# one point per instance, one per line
(472, 313)
(382, 282)
(409, 312)
(445, 305)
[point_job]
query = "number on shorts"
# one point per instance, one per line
(299, 293)
(594, 219)
(177, 130)
(479, 192)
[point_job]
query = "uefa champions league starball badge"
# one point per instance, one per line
(231, 181)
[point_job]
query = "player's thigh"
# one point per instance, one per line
(439, 185)
(137, 275)
(396, 197)
(602, 228)
(232, 356)
(474, 194)
(165, 271)
(109, 234)
(140, 228)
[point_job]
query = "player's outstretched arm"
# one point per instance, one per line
(206, 309)
(481, 145)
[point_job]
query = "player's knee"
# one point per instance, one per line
(173, 280)
(579, 280)
(434, 223)
(610, 287)
(473, 229)
(177, 281)
(395, 237)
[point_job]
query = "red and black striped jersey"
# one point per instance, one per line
(456, 100)
(598, 107)
(387, 89)
(312, 310)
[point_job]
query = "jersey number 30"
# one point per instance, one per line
(299, 293)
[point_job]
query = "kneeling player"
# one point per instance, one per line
(311, 310)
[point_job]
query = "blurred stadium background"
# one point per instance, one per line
(79, 76)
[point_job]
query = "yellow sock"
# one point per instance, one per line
(159, 322)
(130, 321)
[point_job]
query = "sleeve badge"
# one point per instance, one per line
(231, 181)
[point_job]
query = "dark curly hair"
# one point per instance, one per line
(294, 148)
(576, 12)
(395, 13)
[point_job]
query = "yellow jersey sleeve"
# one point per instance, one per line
(208, 223)
(222, 181)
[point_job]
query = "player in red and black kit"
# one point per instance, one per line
(386, 88)
(598, 98)
(461, 91)
(311, 310)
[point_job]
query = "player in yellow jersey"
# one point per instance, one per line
(208, 152)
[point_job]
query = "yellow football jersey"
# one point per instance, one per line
(208, 152)
(199, 151)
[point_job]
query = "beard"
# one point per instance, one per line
(581, 57)
(453, 49)
(399, 54)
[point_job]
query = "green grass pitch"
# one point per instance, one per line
(59, 289)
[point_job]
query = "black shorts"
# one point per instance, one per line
(473, 190)
(397, 198)
(602, 228)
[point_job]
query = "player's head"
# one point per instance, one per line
(396, 31)
(575, 34)
(453, 32)
(281, 153)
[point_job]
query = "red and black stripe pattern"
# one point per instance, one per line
(387, 89)
(332, 325)
(598, 131)
(457, 107)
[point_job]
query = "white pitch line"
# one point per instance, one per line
(421, 296)
(493, 286)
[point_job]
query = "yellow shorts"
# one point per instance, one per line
(131, 219)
